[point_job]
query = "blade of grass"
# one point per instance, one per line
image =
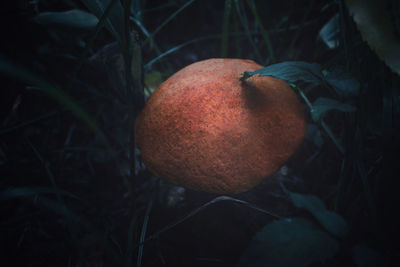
(113, 19)
(102, 22)
(38, 118)
(161, 7)
(264, 33)
(375, 219)
(343, 31)
(28, 122)
(132, 52)
(390, 118)
(329, 132)
(25, 192)
(49, 204)
(61, 203)
(243, 19)
(322, 123)
(225, 28)
(344, 174)
(136, 9)
(149, 64)
(146, 33)
(165, 22)
(238, 44)
(299, 31)
(22, 218)
(126, 49)
(143, 233)
(54, 92)
(202, 207)
(366, 188)
(137, 74)
(131, 240)
(50, 175)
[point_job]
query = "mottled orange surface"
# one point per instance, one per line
(205, 129)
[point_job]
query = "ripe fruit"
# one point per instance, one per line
(205, 129)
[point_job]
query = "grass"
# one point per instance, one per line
(73, 191)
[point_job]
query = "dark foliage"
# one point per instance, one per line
(73, 191)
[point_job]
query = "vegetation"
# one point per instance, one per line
(75, 74)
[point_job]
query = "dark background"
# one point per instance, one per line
(70, 198)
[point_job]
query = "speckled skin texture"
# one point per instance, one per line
(206, 130)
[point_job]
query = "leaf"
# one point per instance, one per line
(330, 32)
(344, 84)
(289, 242)
(73, 19)
(291, 71)
(323, 105)
(331, 221)
(374, 22)
(366, 257)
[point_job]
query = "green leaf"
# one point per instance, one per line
(289, 242)
(291, 71)
(73, 19)
(331, 221)
(343, 82)
(366, 257)
(374, 22)
(323, 105)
